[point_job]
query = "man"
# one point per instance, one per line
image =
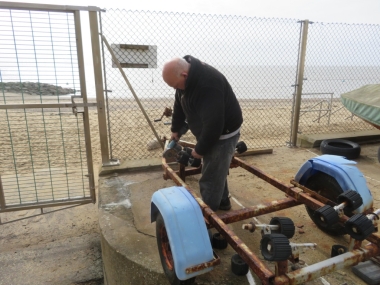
(205, 100)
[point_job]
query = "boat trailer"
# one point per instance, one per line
(185, 247)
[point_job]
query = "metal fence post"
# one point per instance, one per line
(299, 83)
(86, 119)
(96, 59)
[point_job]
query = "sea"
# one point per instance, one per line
(254, 82)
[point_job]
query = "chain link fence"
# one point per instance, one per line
(339, 58)
(258, 56)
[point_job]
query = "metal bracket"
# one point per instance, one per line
(215, 261)
(112, 162)
(74, 106)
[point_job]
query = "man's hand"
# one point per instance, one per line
(174, 137)
(195, 154)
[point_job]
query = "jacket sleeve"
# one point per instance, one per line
(178, 117)
(211, 108)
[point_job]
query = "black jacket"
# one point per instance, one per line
(208, 104)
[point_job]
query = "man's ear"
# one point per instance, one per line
(184, 74)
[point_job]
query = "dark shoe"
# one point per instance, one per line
(225, 205)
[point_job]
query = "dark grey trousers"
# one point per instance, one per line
(216, 164)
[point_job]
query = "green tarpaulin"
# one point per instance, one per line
(364, 103)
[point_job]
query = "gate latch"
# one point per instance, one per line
(74, 105)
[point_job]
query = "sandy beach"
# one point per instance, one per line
(36, 138)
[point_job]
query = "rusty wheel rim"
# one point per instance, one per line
(166, 250)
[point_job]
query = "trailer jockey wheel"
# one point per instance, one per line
(327, 215)
(238, 265)
(166, 256)
(286, 226)
(275, 247)
(218, 241)
(353, 200)
(359, 227)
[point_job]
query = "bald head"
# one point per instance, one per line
(175, 72)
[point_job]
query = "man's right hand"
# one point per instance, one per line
(174, 137)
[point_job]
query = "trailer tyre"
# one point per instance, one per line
(286, 226)
(275, 247)
(238, 265)
(346, 148)
(166, 256)
(329, 188)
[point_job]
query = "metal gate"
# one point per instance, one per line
(45, 146)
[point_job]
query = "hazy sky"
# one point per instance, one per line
(331, 11)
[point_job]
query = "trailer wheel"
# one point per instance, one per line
(286, 226)
(238, 265)
(275, 247)
(359, 227)
(353, 200)
(329, 188)
(346, 148)
(218, 241)
(166, 256)
(327, 215)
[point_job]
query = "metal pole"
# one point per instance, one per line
(299, 83)
(106, 90)
(2, 197)
(96, 59)
(83, 89)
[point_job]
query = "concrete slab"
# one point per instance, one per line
(129, 249)
(314, 140)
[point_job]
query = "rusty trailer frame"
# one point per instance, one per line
(295, 195)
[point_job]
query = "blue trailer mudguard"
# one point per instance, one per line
(186, 228)
(345, 173)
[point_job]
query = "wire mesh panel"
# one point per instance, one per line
(339, 58)
(257, 56)
(42, 149)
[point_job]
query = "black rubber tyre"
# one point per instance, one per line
(328, 187)
(286, 226)
(238, 265)
(166, 256)
(338, 249)
(353, 200)
(359, 227)
(275, 247)
(327, 215)
(218, 241)
(241, 147)
(346, 148)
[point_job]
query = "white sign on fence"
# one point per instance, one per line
(135, 56)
